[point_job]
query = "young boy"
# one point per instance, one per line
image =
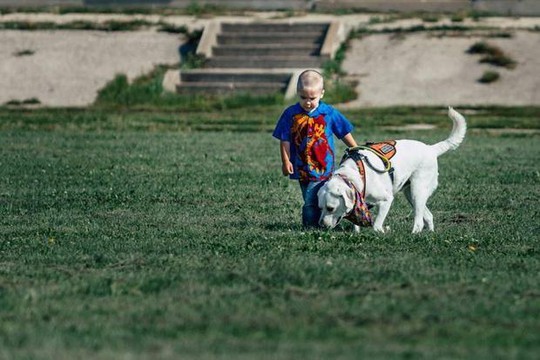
(306, 132)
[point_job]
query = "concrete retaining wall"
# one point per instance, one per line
(496, 7)
(249, 4)
(509, 7)
(396, 5)
(39, 3)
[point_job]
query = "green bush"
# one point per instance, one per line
(340, 91)
(147, 92)
(337, 90)
(25, 52)
(173, 29)
(30, 101)
(489, 77)
(112, 25)
(430, 18)
(500, 60)
(492, 55)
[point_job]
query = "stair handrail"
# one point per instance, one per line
(335, 35)
(209, 38)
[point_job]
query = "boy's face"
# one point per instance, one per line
(310, 98)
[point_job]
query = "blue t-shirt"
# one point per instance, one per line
(311, 138)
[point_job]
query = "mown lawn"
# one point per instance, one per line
(137, 238)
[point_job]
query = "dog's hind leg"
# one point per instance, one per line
(428, 219)
(418, 194)
(427, 215)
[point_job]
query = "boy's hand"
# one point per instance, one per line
(287, 168)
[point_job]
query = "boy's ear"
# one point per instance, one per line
(322, 93)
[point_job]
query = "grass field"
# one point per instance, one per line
(138, 235)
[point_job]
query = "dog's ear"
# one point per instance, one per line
(348, 197)
(320, 196)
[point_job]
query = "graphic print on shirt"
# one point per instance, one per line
(314, 151)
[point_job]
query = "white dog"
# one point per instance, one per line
(414, 170)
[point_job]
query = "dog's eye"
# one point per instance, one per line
(329, 209)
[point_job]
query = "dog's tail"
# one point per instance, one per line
(456, 136)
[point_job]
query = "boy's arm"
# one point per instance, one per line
(286, 165)
(349, 140)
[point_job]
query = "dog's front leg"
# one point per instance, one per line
(383, 208)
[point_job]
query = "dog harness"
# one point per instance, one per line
(385, 150)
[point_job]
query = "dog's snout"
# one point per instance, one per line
(327, 222)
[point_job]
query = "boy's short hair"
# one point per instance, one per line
(310, 79)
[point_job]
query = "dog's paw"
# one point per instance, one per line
(382, 229)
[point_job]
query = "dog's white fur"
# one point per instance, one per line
(415, 171)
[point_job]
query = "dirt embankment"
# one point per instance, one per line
(67, 68)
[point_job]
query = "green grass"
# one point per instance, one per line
(232, 115)
(126, 234)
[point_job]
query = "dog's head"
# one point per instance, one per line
(336, 200)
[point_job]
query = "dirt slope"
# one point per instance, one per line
(67, 68)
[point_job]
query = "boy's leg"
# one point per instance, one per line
(310, 210)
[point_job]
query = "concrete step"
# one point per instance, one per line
(255, 58)
(255, 88)
(269, 38)
(265, 62)
(223, 76)
(267, 49)
(273, 27)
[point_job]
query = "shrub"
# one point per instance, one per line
(195, 9)
(492, 55)
(173, 29)
(147, 92)
(457, 17)
(337, 90)
(340, 91)
(430, 18)
(500, 60)
(112, 25)
(26, 52)
(146, 89)
(190, 59)
(31, 101)
(489, 77)
(479, 48)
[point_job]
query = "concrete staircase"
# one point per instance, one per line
(256, 58)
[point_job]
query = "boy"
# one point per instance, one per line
(306, 131)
